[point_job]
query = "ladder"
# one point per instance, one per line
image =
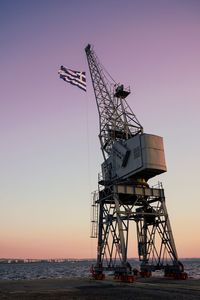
(94, 215)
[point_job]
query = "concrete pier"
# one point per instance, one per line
(89, 289)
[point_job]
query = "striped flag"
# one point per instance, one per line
(74, 77)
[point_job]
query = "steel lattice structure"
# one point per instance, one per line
(131, 158)
(115, 115)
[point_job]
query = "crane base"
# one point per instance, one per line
(178, 276)
(145, 274)
(125, 278)
(97, 274)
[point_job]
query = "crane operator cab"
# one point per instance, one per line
(140, 156)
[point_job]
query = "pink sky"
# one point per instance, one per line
(50, 153)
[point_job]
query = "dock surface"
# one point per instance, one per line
(89, 289)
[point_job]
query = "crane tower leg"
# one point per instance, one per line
(156, 247)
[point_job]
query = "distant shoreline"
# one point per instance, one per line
(61, 260)
(16, 261)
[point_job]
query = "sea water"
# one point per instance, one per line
(72, 268)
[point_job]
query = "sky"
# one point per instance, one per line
(50, 154)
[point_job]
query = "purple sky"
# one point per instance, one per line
(50, 153)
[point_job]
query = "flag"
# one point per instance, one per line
(74, 77)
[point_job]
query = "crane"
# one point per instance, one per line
(130, 158)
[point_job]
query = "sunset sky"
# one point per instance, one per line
(50, 154)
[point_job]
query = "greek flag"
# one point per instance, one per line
(74, 77)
